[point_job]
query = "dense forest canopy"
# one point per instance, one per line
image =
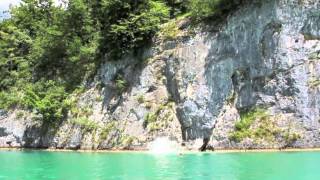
(47, 52)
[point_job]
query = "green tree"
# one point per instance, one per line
(46, 97)
(177, 7)
(48, 51)
(202, 9)
(127, 24)
(14, 46)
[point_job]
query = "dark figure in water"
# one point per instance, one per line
(204, 145)
(9, 143)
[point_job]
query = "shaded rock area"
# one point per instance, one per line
(253, 83)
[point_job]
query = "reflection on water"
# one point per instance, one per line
(37, 165)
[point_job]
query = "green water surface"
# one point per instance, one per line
(40, 165)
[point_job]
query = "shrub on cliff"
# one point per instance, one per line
(128, 25)
(202, 9)
(46, 98)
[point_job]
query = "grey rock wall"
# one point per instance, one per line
(265, 56)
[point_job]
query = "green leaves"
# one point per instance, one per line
(47, 98)
(47, 51)
(177, 7)
(14, 46)
(132, 26)
(202, 9)
(121, 84)
(10, 99)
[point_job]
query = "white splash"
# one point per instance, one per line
(197, 143)
(163, 145)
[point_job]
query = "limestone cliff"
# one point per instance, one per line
(251, 81)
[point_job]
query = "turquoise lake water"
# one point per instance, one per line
(39, 165)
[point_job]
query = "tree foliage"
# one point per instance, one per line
(48, 51)
(203, 9)
(128, 24)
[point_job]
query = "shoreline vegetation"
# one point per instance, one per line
(178, 152)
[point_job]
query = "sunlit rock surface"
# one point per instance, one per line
(264, 55)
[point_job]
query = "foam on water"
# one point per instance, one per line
(163, 145)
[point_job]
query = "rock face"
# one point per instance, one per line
(252, 83)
